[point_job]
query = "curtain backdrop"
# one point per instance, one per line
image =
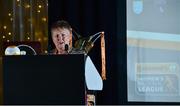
(88, 17)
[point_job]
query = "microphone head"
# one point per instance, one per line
(66, 47)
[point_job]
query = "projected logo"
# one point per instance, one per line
(137, 6)
(157, 79)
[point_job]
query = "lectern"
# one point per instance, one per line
(44, 79)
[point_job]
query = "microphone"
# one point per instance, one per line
(66, 47)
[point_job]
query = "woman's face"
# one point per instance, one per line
(60, 37)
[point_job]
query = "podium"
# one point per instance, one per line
(44, 79)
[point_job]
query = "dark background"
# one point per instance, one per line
(88, 17)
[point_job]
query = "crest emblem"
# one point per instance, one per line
(138, 6)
